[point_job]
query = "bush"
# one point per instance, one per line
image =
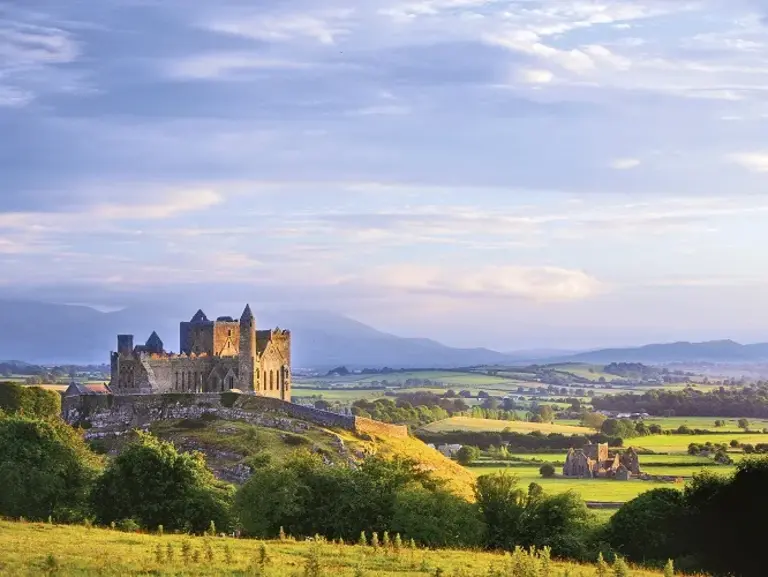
(33, 402)
(151, 482)
(648, 527)
(46, 469)
(467, 455)
(547, 470)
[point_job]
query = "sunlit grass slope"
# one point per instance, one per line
(39, 549)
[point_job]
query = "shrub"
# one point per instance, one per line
(547, 470)
(46, 469)
(467, 455)
(153, 483)
(33, 402)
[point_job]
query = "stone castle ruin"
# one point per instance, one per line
(594, 461)
(225, 369)
(215, 356)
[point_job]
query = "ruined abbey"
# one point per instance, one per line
(215, 356)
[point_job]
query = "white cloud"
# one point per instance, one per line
(535, 76)
(174, 203)
(625, 163)
(322, 27)
(753, 161)
(225, 64)
(544, 284)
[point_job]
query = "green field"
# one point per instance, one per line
(605, 490)
(679, 443)
(28, 549)
(707, 423)
(469, 424)
(685, 471)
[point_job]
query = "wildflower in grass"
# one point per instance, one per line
(160, 530)
(620, 568)
(412, 544)
(545, 559)
(263, 556)
(212, 529)
(375, 540)
(228, 558)
(602, 566)
(186, 551)
(363, 540)
(313, 567)
(398, 542)
(359, 572)
(208, 551)
(196, 556)
(51, 564)
(169, 552)
(159, 555)
(282, 536)
(385, 541)
(669, 569)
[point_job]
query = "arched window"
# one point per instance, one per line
(190, 382)
(231, 382)
(177, 380)
(271, 380)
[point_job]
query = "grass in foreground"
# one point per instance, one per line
(28, 549)
(470, 424)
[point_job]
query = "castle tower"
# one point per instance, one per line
(249, 381)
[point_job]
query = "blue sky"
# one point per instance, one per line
(511, 174)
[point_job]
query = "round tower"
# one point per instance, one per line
(247, 359)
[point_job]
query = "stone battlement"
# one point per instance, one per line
(117, 414)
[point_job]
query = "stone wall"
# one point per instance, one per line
(107, 414)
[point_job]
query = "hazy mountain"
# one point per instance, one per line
(724, 351)
(47, 333)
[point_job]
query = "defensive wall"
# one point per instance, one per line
(105, 414)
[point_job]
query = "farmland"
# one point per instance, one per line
(469, 424)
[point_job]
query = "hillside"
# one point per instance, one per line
(40, 549)
(231, 447)
(724, 351)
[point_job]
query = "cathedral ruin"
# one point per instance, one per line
(594, 461)
(215, 356)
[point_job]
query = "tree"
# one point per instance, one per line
(501, 503)
(743, 424)
(546, 413)
(467, 455)
(151, 482)
(547, 470)
(46, 469)
(647, 528)
(31, 401)
(437, 519)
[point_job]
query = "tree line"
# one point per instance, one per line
(722, 402)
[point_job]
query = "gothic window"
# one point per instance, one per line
(190, 383)
(177, 381)
(231, 382)
(271, 380)
(183, 383)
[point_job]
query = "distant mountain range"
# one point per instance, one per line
(67, 334)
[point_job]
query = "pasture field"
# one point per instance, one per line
(605, 490)
(41, 549)
(342, 395)
(707, 423)
(469, 424)
(685, 471)
(679, 443)
(585, 371)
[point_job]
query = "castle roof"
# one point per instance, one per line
(199, 317)
(154, 342)
(87, 389)
(247, 314)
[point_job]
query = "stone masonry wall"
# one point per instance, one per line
(116, 414)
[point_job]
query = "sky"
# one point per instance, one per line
(512, 174)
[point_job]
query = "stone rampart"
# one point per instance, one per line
(107, 414)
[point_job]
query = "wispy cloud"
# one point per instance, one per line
(625, 163)
(754, 161)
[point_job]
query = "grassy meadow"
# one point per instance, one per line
(32, 549)
(599, 490)
(470, 424)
